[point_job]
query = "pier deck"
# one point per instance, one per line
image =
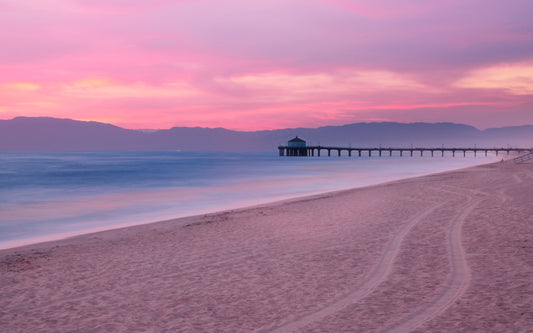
(379, 151)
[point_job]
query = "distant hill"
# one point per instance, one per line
(52, 134)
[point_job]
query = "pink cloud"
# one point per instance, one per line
(265, 64)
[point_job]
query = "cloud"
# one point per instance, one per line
(517, 79)
(229, 63)
(385, 9)
(102, 88)
(23, 86)
(287, 87)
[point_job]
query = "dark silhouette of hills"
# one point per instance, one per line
(52, 134)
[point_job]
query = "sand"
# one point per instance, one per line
(449, 252)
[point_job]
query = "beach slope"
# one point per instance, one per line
(449, 252)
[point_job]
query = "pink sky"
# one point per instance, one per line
(252, 65)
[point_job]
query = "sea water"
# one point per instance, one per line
(46, 196)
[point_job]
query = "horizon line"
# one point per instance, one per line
(265, 130)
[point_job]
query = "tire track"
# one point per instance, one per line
(456, 285)
(378, 275)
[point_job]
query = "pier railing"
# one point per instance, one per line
(379, 151)
(523, 158)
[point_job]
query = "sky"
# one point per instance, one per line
(256, 65)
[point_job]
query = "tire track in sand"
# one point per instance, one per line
(456, 284)
(378, 275)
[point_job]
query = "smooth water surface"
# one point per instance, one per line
(46, 196)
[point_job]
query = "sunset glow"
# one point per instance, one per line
(252, 65)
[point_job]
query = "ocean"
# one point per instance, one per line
(47, 196)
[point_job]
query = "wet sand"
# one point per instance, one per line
(449, 252)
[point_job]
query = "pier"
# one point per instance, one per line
(380, 151)
(298, 147)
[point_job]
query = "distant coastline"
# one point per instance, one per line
(52, 134)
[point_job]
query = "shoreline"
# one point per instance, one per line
(72, 234)
(443, 252)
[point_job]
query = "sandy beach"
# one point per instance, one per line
(449, 252)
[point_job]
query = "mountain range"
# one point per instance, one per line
(53, 134)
